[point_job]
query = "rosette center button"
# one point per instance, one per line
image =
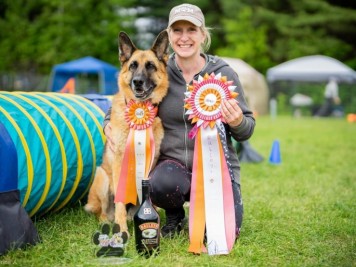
(210, 100)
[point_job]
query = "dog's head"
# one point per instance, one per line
(143, 73)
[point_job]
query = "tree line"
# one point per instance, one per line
(35, 35)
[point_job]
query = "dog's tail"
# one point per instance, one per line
(91, 209)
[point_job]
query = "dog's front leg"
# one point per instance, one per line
(121, 216)
(120, 208)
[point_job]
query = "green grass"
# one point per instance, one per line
(299, 213)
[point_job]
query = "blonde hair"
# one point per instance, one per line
(207, 41)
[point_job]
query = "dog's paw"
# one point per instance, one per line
(110, 246)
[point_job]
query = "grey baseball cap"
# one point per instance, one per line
(186, 12)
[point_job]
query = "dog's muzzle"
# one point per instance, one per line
(141, 88)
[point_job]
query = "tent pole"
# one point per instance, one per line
(102, 82)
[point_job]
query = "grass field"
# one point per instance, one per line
(301, 212)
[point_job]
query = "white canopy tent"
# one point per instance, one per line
(254, 85)
(315, 68)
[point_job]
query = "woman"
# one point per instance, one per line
(171, 178)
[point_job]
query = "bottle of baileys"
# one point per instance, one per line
(147, 224)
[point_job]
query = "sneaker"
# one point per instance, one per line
(175, 221)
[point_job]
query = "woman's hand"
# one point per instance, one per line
(231, 112)
(109, 138)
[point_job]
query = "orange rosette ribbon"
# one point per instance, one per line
(139, 151)
(211, 198)
(140, 115)
(204, 98)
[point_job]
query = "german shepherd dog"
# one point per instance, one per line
(143, 76)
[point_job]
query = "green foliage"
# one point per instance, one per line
(265, 33)
(156, 15)
(299, 213)
(300, 28)
(35, 35)
(245, 40)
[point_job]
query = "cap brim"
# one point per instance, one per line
(195, 21)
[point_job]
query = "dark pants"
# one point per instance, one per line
(327, 108)
(170, 188)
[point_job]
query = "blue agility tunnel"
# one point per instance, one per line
(58, 141)
(16, 227)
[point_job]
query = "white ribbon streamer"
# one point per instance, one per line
(140, 153)
(213, 192)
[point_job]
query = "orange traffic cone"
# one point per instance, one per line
(69, 87)
(351, 117)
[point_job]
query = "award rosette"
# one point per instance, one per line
(139, 151)
(211, 197)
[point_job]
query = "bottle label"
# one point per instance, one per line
(150, 241)
(149, 229)
(148, 225)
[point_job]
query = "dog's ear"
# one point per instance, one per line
(160, 46)
(126, 47)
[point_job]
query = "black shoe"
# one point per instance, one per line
(175, 221)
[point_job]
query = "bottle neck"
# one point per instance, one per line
(145, 190)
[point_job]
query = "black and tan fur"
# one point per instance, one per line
(143, 76)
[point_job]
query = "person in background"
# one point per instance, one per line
(331, 98)
(171, 178)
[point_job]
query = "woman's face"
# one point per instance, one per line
(186, 39)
